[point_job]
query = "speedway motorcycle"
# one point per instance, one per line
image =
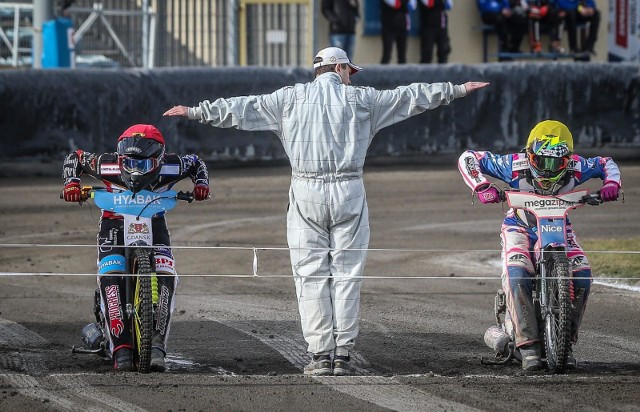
(553, 288)
(140, 299)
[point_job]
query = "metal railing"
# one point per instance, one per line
(163, 33)
(125, 36)
(276, 33)
(16, 33)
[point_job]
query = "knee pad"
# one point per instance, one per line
(582, 280)
(112, 264)
(517, 259)
(518, 280)
(579, 263)
(165, 263)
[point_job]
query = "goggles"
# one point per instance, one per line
(140, 166)
(548, 163)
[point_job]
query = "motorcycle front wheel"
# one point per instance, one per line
(142, 309)
(556, 312)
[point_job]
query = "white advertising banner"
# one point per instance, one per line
(624, 30)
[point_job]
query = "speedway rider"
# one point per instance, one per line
(547, 166)
(140, 163)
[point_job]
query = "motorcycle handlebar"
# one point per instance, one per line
(86, 194)
(186, 196)
(592, 199)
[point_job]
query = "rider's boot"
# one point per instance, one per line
(123, 360)
(161, 322)
(157, 360)
(158, 353)
(578, 307)
(572, 363)
(531, 359)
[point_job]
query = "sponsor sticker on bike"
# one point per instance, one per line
(138, 231)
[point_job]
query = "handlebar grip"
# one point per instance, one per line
(186, 196)
(593, 199)
(85, 193)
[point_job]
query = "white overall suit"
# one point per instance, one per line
(326, 128)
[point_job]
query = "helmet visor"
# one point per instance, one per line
(548, 163)
(140, 166)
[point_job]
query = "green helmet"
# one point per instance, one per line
(549, 150)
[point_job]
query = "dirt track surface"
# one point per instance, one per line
(235, 340)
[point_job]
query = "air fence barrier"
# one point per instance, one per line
(53, 112)
(49, 113)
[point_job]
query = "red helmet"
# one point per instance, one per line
(140, 155)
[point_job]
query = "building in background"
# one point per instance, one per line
(211, 33)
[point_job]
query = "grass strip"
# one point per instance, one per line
(615, 265)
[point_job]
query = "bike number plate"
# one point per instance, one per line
(551, 231)
(137, 230)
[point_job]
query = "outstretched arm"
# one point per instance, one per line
(253, 113)
(393, 106)
(471, 86)
(177, 111)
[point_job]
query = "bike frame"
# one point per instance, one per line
(551, 213)
(551, 216)
(552, 281)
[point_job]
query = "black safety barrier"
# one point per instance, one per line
(51, 112)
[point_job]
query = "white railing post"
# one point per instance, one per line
(145, 34)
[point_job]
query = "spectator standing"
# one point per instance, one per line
(64, 6)
(343, 16)
(434, 29)
(579, 12)
(509, 19)
(394, 16)
(326, 127)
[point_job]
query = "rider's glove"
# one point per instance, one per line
(72, 192)
(489, 195)
(610, 191)
(201, 192)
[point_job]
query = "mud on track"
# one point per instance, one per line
(235, 341)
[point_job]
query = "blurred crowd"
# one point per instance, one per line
(512, 21)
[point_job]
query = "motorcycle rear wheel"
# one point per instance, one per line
(143, 310)
(557, 313)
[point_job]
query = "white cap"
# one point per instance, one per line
(333, 55)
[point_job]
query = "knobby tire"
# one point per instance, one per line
(143, 309)
(557, 331)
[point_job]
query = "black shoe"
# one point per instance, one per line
(123, 360)
(320, 365)
(157, 360)
(341, 366)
